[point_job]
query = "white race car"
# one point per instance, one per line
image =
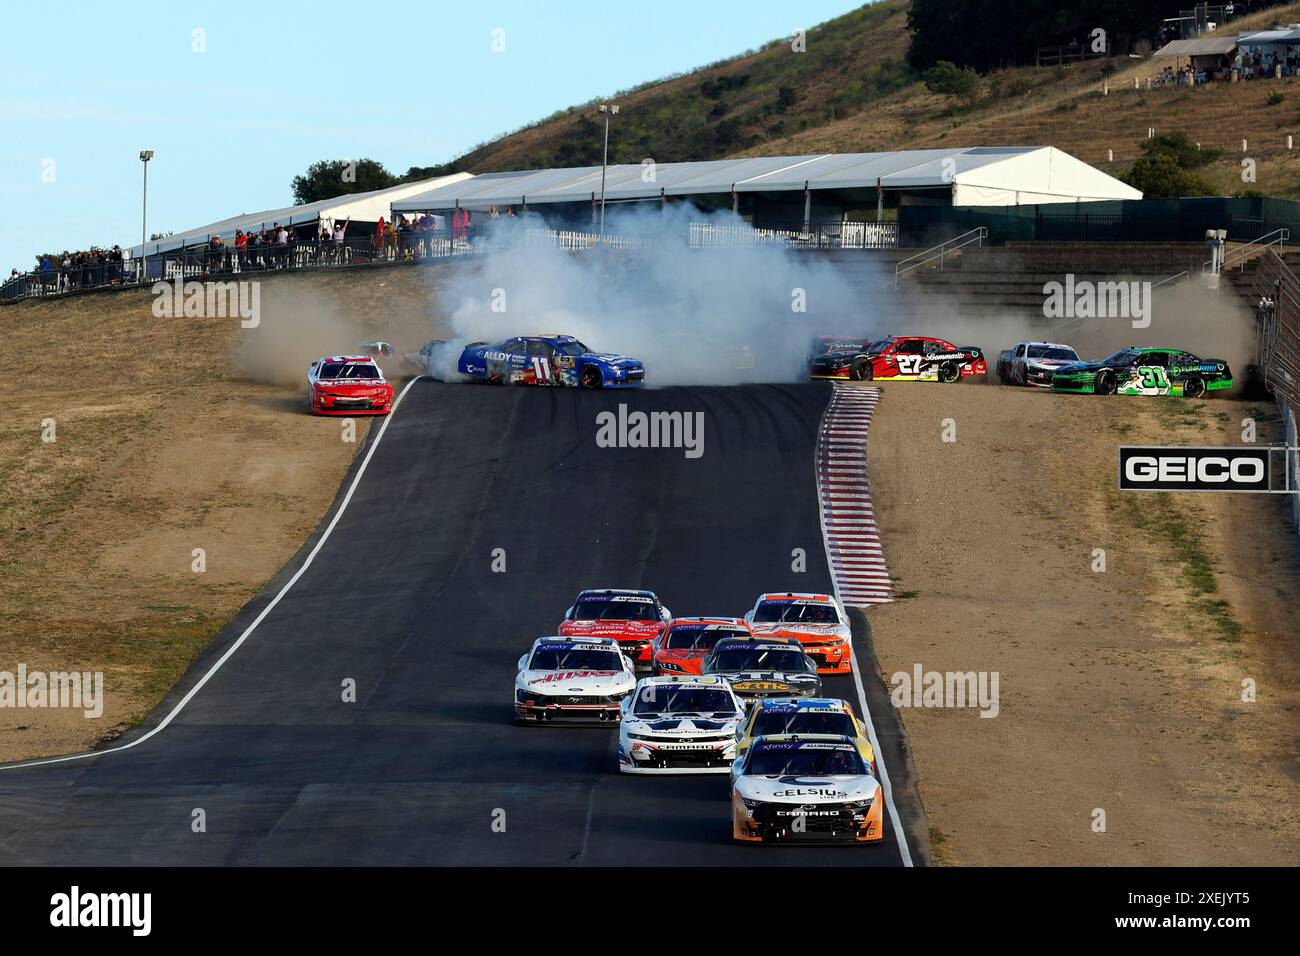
(813, 787)
(566, 680)
(679, 724)
(818, 621)
(1032, 363)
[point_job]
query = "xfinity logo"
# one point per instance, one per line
(1193, 469)
(651, 430)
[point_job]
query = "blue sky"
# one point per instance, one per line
(85, 86)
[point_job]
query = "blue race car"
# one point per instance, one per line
(548, 360)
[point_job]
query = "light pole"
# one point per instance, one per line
(608, 110)
(145, 156)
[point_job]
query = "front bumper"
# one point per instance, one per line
(327, 405)
(831, 658)
(683, 758)
(599, 713)
(824, 823)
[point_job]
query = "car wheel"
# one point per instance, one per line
(1104, 383)
(1194, 387)
(860, 370)
(592, 377)
(949, 372)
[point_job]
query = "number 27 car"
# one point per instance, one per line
(910, 358)
(548, 360)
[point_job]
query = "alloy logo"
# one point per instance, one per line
(1194, 469)
(651, 430)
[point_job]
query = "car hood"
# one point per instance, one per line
(745, 679)
(351, 382)
(1049, 363)
(669, 725)
(1081, 367)
(805, 790)
(625, 630)
(575, 682)
(803, 631)
(611, 358)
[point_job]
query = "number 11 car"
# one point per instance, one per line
(548, 360)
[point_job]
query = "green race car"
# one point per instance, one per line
(1145, 371)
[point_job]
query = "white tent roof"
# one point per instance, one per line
(983, 175)
(361, 207)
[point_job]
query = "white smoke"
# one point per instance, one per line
(693, 316)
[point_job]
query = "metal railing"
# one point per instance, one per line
(824, 235)
(1278, 327)
(1244, 253)
(940, 252)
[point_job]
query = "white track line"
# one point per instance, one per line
(230, 651)
(873, 395)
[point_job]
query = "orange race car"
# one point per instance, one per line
(682, 648)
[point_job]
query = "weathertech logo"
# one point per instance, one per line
(651, 430)
(76, 909)
(1193, 469)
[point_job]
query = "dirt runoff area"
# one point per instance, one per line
(1124, 732)
(129, 441)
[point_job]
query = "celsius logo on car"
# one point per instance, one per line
(651, 430)
(1193, 469)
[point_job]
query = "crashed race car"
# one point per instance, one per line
(763, 667)
(633, 618)
(913, 358)
(1145, 371)
(1033, 363)
(581, 681)
(814, 788)
(348, 385)
(817, 621)
(679, 724)
(548, 360)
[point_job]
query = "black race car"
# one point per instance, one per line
(763, 667)
(1145, 371)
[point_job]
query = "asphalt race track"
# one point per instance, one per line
(402, 598)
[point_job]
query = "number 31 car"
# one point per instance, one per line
(548, 360)
(1145, 371)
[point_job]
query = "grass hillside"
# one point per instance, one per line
(852, 91)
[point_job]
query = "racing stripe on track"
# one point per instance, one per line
(852, 541)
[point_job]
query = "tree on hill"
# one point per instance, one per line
(336, 177)
(1159, 176)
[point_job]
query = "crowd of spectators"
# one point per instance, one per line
(67, 271)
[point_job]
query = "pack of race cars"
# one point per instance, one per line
(736, 696)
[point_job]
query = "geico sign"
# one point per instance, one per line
(1193, 469)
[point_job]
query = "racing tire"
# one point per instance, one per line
(860, 370)
(949, 372)
(591, 377)
(1104, 383)
(1194, 388)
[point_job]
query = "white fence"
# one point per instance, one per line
(833, 235)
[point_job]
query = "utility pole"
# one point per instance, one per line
(608, 110)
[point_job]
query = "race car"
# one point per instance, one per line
(422, 362)
(817, 621)
(1145, 371)
(348, 385)
(1032, 363)
(815, 788)
(679, 724)
(548, 360)
(580, 681)
(763, 667)
(633, 618)
(681, 649)
(804, 716)
(912, 358)
(376, 348)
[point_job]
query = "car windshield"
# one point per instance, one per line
(615, 609)
(805, 760)
(1122, 357)
(771, 612)
(730, 659)
(349, 370)
(878, 346)
(666, 699)
(575, 659)
(769, 723)
(573, 348)
(1052, 353)
(698, 639)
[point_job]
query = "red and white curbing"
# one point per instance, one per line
(848, 520)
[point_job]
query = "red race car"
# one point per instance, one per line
(682, 648)
(633, 618)
(909, 358)
(348, 385)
